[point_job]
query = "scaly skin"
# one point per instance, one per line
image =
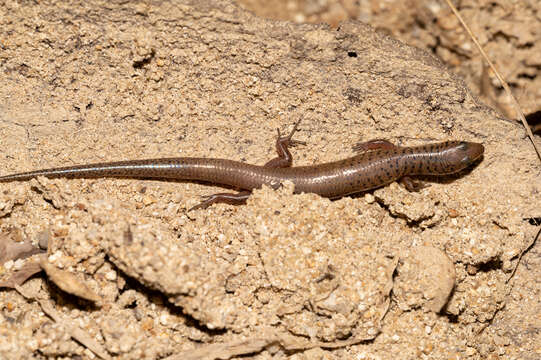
(378, 163)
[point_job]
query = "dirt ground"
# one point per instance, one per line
(126, 272)
(510, 32)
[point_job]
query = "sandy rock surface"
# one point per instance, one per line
(420, 274)
(509, 31)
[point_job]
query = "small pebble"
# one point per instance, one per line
(369, 198)
(18, 264)
(164, 319)
(110, 275)
(43, 239)
(8, 264)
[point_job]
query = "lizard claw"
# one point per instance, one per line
(287, 140)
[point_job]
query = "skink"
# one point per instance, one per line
(377, 163)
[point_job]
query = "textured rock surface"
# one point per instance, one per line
(108, 81)
(510, 32)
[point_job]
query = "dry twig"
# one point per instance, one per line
(500, 78)
(73, 330)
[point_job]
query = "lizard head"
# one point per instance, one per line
(461, 154)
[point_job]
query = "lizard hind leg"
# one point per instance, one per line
(284, 159)
(226, 198)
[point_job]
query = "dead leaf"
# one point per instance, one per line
(12, 250)
(71, 327)
(20, 276)
(68, 282)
